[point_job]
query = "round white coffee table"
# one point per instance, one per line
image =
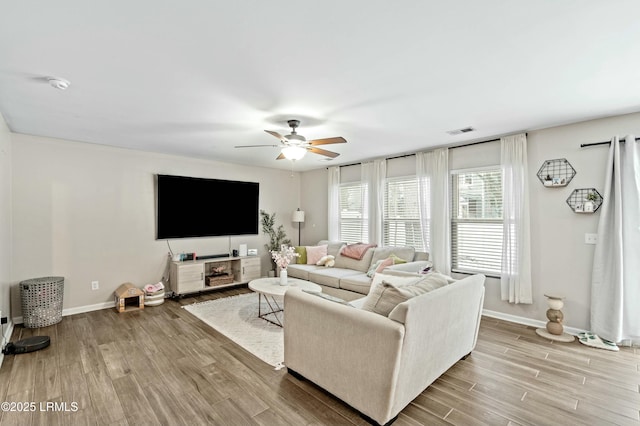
(270, 288)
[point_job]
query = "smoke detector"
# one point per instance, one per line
(58, 83)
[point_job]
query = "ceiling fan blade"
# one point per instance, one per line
(276, 134)
(280, 157)
(323, 152)
(327, 141)
(254, 146)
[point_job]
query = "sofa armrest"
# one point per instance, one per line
(441, 328)
(414, 267)
(344, 350)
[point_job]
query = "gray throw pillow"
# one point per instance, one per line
(434, 280)
(386, 296)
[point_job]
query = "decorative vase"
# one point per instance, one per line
(554, 329)
(283, 277)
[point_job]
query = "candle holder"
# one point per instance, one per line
(555, 330)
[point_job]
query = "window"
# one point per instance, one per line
(401, 219)
(476, 221)
(354, 226)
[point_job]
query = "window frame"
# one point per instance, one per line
(415, 222)
(364, 213)
(455, 221)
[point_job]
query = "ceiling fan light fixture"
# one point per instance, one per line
(295, 138)
(293, 153)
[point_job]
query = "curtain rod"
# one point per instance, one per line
(582, 145)
(409, 155)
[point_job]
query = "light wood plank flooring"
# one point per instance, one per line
(163, 366)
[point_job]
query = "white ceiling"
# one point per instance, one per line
(198, 77)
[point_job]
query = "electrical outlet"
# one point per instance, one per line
(590, 238)
(95, 285)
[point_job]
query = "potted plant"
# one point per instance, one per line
(590, 200)
(277, 236)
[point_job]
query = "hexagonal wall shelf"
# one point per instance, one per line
(556, 173)
(585, 200)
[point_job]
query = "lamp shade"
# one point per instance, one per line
(298, 216)
(293, 152)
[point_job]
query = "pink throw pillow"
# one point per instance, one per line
(385, 263)
(315, 253)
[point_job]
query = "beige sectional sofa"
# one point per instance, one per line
(348, 278)
(378, 364)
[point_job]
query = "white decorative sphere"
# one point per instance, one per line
(556, 304)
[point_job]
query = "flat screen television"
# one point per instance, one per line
(189, 207)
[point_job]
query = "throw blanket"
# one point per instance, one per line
(356, 251)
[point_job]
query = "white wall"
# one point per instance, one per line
(86, 212)
(314, 196)
(5, 218)
(561, 261)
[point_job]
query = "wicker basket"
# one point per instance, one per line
(216, 280)
(42, 301)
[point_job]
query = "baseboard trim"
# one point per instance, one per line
(78, 310)
(526, 321)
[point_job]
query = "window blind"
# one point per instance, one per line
(401, 216)
(476, 221)
(353, 212)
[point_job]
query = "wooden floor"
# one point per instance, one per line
(163, 366)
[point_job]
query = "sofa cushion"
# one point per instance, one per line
(384, 298)
(359, 283)
(301, 271)
(328, 297)
(358, 265)
(315, 253)
(396, 279)
(420, 255)
(414, 267)
(330, 276)
(333, 247)
(433, 281)
(405, 253)
(302, 255)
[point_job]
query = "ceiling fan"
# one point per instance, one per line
(295, 146)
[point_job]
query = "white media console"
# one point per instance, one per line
(192, 276)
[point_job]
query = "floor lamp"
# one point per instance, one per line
(298, 216)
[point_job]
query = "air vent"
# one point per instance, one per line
(461, 131)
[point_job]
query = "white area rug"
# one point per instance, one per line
(237, 318)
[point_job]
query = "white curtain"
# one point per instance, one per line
(432, 170)
(515, 279)
(333, 214)
(615, 282)
(373, 174)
